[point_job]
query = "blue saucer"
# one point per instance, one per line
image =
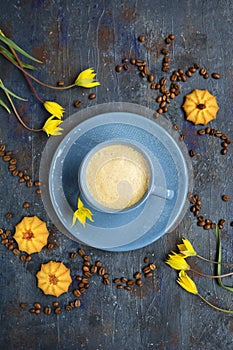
(142, 226)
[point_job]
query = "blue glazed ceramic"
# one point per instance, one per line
(138, 227)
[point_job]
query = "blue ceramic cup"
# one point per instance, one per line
(124, 166)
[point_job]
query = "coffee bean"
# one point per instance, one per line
(8, 215)
(201, 132)
(6, 158)
(47, 310)
(68, 307)
(126, 66)
(201, 223)
(4, 241)
(77, 104)
(60, 83)
(167, 41)
(146, 269)
(16, 251)
(225, 198)
(26, 205)
(141, 38)
(37, 305)
(188, 73)
(164, 51)
(29, 184)
(224, 151)
(132, 61)
(106, 281)
(202, 71)
(148, 274)
(192, 69)
(81, 252)
(37, 183)
(207, 227)
(93, 269)
(222, 222)
(2, 147)
(139, 282)
(152, 267)
(224, 144)
(77, 303)
(28, 258)
(72, 255)
(23, 258)
(150, 78)
(23, 305)
(116, 280)
(215, 75)
(124, 279)
(13, 161)
(98, 263)
(118, 68)
(171, 36)
(92, 96)
(12, 167)
(137, 275)
(77, 293)
(57, 310)
(206, 76)
(191, 153)
(119, 286)
(32, 311)
(87, 274)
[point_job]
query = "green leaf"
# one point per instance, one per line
(11, 57)
(219, 259)
(10, 43)
(5, 106)
(10, 92)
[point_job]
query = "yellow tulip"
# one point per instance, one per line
(54, 108)
(187, 283)
(86, 79)
(51, 126)
(81, 214)
(186, 248)
(177, 262)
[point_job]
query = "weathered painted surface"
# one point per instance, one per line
(69, 36)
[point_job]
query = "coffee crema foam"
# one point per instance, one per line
(117, 176)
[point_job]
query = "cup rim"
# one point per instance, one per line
(81, 175)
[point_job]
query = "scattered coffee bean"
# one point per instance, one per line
(225, 198)
(57, 311)
(37, 305)
(141, 38)
(8, 215)
(119, 68)
(92, 96)
(60, 83)
(116, 280)
(77, 104)
(23, 305)
(47, 310)
(26, 205)
(191, 153)
(215, 75)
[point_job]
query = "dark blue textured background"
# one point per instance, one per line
(69, 36)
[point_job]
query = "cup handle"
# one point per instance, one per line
(162, 192)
